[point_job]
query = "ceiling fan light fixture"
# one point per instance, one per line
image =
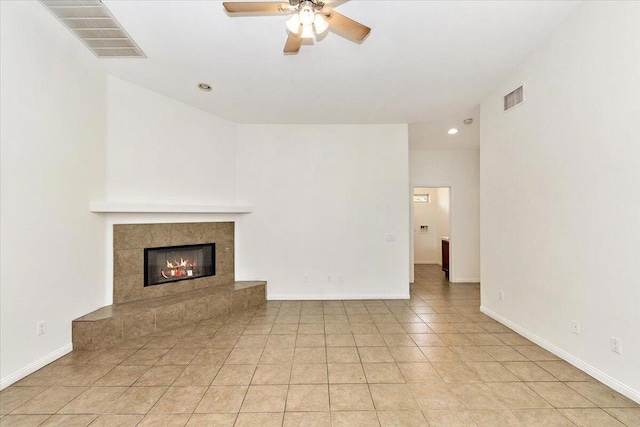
(307, 14)
(293, 23)
(308, 19)
(321, 25)
(307, 31)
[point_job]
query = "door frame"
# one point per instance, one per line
(452, 277)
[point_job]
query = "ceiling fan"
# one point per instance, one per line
(309, 18)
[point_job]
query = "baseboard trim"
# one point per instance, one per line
(578, 363)
(32, 367)
(466, 280)
(316, 297)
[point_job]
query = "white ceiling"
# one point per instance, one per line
(424, 61)
(434, 136)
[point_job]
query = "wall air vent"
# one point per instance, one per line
(93, 24)
(514, 98)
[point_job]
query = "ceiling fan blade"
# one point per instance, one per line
(275, 8)
(294, 41)
(347, 27)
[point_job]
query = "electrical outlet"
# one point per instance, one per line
(40, 328)
(329, 278)
(575, 327)
(616, 345)
(305, 277)
(501, 295)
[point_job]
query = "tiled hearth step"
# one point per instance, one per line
(112, 324)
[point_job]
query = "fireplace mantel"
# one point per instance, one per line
(118, 207)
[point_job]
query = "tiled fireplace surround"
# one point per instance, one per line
(140, 310)
(129, 241)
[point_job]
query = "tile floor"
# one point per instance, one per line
(434, 360)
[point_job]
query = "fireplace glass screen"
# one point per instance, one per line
(174, 263)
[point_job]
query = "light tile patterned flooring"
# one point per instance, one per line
(434, 360)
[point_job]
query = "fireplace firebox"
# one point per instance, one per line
(175, 263)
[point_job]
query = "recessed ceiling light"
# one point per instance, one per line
(452, 131)
(204, 87)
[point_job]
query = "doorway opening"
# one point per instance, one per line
(431, 226)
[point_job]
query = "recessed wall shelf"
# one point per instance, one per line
(115, 207)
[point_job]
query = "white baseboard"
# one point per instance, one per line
(466, 280)
(315, 297)
(578, 363)
(32, 367)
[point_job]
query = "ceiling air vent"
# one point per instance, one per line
(93, 24)
(514, 98)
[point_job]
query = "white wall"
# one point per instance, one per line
(163, 151)
(425, 244)
(443, 214)
(561, 194)
(52, 164)
(459, 170)
(435, 214)
(325, 198)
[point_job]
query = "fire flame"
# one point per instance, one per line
(184, 263)
(178, 269)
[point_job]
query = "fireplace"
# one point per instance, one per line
(176, 263)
